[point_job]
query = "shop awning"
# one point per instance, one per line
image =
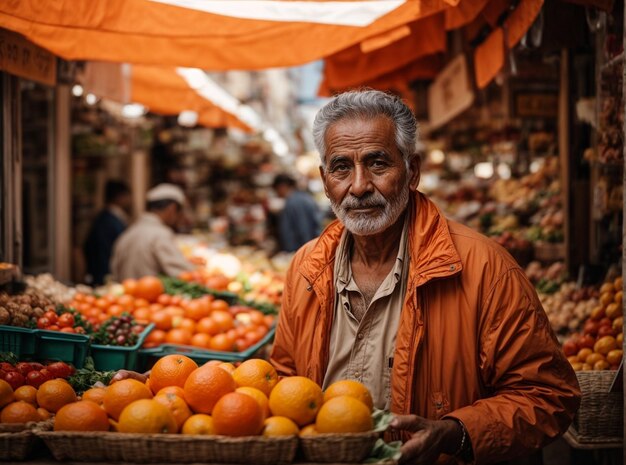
(169, 91)
(209, 34)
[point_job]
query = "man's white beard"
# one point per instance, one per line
(366, 225)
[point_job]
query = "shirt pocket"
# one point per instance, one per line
(440, 404)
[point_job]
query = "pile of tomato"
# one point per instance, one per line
(33, 373)
(66, 322)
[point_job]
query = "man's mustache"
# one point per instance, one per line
(371, 201)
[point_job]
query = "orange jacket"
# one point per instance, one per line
(473, 341)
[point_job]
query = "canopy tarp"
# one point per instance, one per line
(210, 34)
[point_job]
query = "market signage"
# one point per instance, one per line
(22, 58)
(450, 93)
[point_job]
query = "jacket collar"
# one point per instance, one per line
(431, 250)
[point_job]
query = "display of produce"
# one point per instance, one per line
(45, 285)
(23, 310)
(599, 345)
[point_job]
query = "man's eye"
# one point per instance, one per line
(378, 163)
(340, 167)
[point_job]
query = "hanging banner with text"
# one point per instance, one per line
(450, 93)
(22, 58)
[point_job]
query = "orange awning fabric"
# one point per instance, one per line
(165, 91)
(351, 67)
(209, 34)
(489, 57)
(398, 80)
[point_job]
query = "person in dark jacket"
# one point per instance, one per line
(299, 221)
(108, 225)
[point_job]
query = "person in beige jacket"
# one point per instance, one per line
(148, 248)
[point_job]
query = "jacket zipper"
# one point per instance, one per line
(408, 407)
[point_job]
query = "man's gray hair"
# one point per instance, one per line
(367, 104)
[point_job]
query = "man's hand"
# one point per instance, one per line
(429, 439)
(127, 374)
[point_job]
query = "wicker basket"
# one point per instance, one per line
(600, 417)
(17, 441)
(334, 448)
(169, 448)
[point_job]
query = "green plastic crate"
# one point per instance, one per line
(44, 345)
(149, 356)
(108, 358)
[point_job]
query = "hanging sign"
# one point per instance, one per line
(450, 93)
(22, 58)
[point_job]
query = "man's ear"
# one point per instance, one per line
(323, 176)
(415, 164)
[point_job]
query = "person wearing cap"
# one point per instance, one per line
(299, 220)
(147, 248)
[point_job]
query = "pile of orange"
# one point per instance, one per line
(205, 322)
(215, 398)
(28, 403)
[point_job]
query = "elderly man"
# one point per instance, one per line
(439, 322)
(147, 248)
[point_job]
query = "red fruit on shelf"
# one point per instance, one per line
(35, 379)
(24, 368)
(60, 370)
(43, 322)
(15, 379)
(586, 341)
(591, 327)
(7, 367)
(36, 366)
(606, 331)
(51, 316)
(66, 320)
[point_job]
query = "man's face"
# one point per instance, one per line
(366, 178)
(171, 215)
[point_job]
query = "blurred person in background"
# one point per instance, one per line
(148, 247)
(108, 225)
(299, 221)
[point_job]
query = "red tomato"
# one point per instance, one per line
(60, 370)
(66, 320)
(6, 366)
(52, 316)
(43, 322)
(36, 366)
(80, 330)
(68, 329)
(53, 328)
(47, 374)
(15, 379)
(24, 368)
(35, 379)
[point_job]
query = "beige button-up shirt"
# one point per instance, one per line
(147, 248)
(363, 350)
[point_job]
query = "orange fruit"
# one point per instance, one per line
(142, 315)
(171, 370)
(130, 286)
(54, 394)
(176, 390)
(279, 426)
(162, 320)
(237, 414)
(27, 394)
(222, 343)
(200, 340)
(584, 353)
(83, 415)
(199, 424)
(593, 358)
(95, 395)
(120, 394)
(309, 430)
(177, 405)
(146, 416)
(205, 386)
(6, 393)
(613, 357)
(178, 336)
(297, 398)
(229, 367)
(344, 414)
(219, 305)
(207, 326)
(257, 395)
(19, 412)
(149, 288)
(197, 309)
(155, 338)
(187, 324)
(258, 374)
(349, 387)
(603, 345)
(44, 414)
(223, 319)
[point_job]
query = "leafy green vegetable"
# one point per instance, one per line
(381, 418)
(87, 376)
(383, 451)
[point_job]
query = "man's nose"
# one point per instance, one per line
(362, 182)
